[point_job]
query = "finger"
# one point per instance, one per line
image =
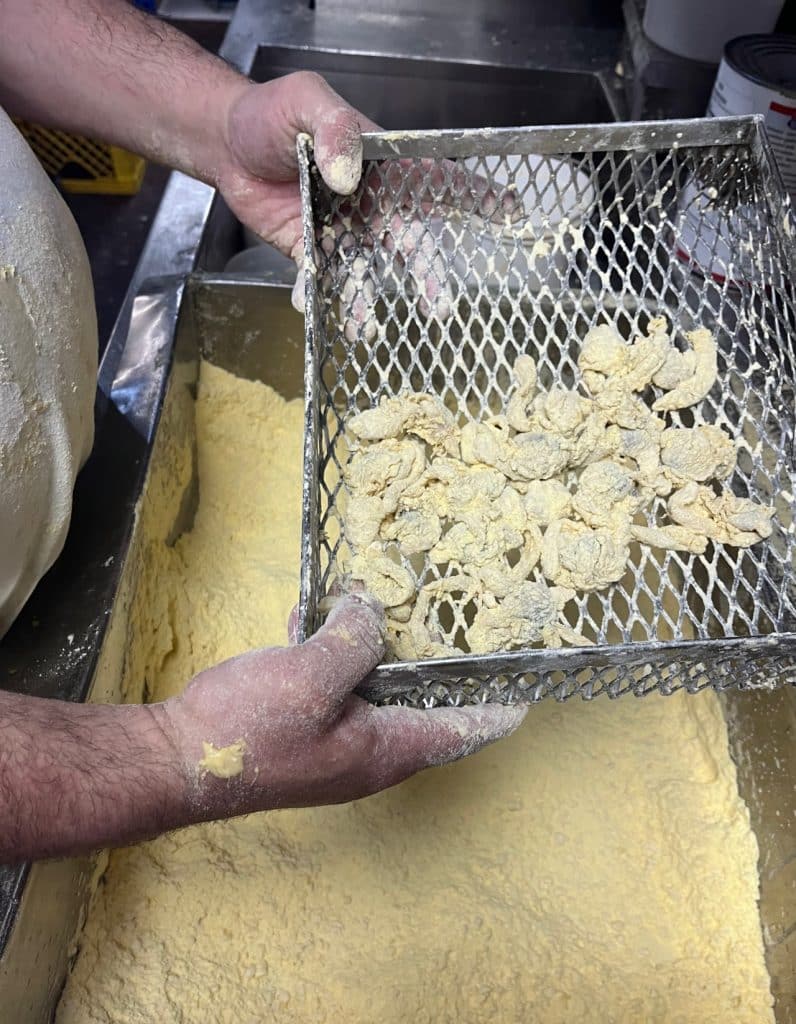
(336, 129)
(297, 294)
(346, 647)
(337, 142)
(292, 625)
(451, 184)
(358, 300)
(417, 248)
(427, 185)
(410, 740)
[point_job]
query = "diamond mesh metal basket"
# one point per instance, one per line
(433, 277)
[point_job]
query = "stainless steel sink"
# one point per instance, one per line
(417, 92)
(421, 92)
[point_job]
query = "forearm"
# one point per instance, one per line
(76, 777)
(277, 727)
(105, 69)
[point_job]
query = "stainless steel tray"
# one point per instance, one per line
(250, 330)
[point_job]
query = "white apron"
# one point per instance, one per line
(48, 368)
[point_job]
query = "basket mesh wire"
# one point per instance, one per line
(425, 281)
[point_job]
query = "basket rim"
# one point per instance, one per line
(549, 140)
(557, 139)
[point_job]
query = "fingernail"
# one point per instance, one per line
(343, 173)
(292, 626)
(340, 157)
(359, 598)
(371, 627)
(487, 205)
(506, 718)
(297, 294)
(485, 724)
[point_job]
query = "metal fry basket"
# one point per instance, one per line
(462, 250)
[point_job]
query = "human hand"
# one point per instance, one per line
(259, 178)
(300, 737)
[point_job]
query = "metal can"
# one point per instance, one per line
(757, 75)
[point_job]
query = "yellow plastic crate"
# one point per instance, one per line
(108, 170)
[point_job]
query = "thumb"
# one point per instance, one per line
(292, 625)
(337, 141)
(440, 735)
(336, 129)
(410, 740)
(346, 647)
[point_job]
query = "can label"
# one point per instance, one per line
(735, 94)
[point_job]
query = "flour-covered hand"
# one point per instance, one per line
(259, 177)
(282, 727)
